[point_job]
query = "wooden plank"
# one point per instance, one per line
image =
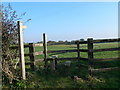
(53, 64)
(90, 53)
(35, 53)
(107, 59)
(45, 48)
(64, 51)
(32, 58)
(106, 40)
(106, 49)
(105, 69)
(78, 51)
(81, 58)
(26, 46)
(83, 50)
(83, 42)
(21, 50)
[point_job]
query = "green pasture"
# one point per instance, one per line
(107, 54)
(61, 78)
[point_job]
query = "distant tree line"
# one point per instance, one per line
(62, 42)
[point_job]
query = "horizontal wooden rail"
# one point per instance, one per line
(84, 42)
(83, 50)
(35, 53)
(25, 46)
(104, 69)
(106, 40)
(81, 58)
(64, 51)
(106, 49)
(106, 59)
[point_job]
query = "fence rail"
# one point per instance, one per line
(31, 53)
(106, 49)
(90, 51)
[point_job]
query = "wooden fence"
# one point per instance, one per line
(90, 51)
(31, 54)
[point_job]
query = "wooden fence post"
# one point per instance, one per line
(54, 62)
(32, 58)
(90, 54)
(78, 52)
(45, 48)
(21, 50)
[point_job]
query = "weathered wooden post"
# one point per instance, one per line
(78, 50)
(32, 58)
(45, 48)
(90, 53)
(54, 62)
(0, 46)
(21, 50)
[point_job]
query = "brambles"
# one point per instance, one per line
(9, 37)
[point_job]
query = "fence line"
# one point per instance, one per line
(31, 54)
(90, 51)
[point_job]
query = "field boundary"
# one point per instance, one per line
(90, 51)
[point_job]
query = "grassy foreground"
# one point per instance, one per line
(61, 77)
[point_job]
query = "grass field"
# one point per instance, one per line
(61, 78)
